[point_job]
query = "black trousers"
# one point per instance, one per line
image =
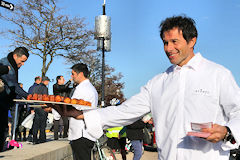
(3, 127)
(81, 148)
(39, 124)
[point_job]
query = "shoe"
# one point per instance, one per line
(29, 138)
(34, 143)
(24, 139)
(42, 141)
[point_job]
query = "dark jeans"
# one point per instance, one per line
(82, 148)
(39, 124)
(56, 128)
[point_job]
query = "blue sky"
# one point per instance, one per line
(137, 50)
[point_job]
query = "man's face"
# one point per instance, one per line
(61, 81)
(20, 60)
(38, 81)
(46, 82)
(76, 77)
(177, 49)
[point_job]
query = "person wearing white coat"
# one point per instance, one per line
(193, 89)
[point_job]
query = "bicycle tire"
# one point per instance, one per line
(107, 154)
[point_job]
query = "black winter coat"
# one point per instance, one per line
(135, 130)
(12, 88)
(62, 90)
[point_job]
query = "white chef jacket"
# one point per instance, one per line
(200, 91)
(86, 91)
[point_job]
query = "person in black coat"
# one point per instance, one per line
(40, 118)
(14, 60)
(59, 88)
(135, 135)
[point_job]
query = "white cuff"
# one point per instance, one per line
(56, 115)
(226, 146)
(93, 123)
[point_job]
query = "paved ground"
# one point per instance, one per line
(55, 150)
(146, 156)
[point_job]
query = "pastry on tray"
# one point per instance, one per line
(57, 98)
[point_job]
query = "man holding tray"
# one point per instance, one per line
(193, 91)
(81, 142)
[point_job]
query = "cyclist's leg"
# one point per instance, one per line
(122, 142)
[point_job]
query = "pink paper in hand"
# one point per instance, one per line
(196, 127)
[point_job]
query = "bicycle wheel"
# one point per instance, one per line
(106, 154)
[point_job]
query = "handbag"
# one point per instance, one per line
(28, 121)
(147, 138)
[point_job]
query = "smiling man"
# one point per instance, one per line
(15, 60)
(193, 89)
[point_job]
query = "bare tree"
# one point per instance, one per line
(41, 28)
(46, 33)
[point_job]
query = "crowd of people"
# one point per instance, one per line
(63, 127)
(193, 90)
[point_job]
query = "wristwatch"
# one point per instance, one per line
(229, 137)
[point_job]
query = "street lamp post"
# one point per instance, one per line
(103, 35)
(103, 74)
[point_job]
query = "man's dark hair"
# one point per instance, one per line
(37, 78)
(20, 51)
(183, 23)
(80, 67)
(58, 77)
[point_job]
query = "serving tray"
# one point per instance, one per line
(37, 104)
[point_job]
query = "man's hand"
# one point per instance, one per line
(67, 111)
(32, 111)
(218, 133)
(70, 111)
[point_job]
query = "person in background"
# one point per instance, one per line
(40, 118)
(135, 135)
(22, 114)
(37, 81)
(14, 60)
(117, 135)
(59, 88)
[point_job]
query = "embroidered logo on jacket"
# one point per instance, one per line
(202, 92)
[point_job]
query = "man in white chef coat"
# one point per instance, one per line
(81, 141)
(193, 89)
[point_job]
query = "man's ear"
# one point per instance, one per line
(81, 73)
(192, 42)
(14, 56)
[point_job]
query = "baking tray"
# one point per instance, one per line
(37, 104)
